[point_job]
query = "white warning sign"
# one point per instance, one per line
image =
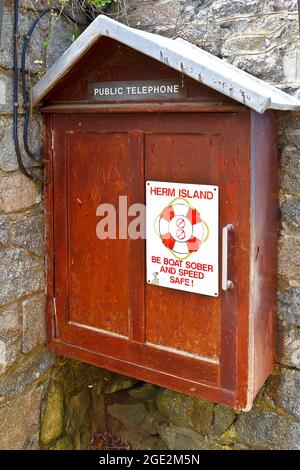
(182, 227)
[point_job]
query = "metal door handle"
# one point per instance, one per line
(226, 284)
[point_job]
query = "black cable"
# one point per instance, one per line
(26, 99)
(15, 91)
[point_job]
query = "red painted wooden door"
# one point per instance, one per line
(103, 304)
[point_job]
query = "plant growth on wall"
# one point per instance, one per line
(91, 7)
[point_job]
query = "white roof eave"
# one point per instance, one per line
(177, 54)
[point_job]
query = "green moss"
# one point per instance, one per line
(53, 417)
(229, 436)
(219, 447)
(145, 391)
(183, 410)
(201, 417)
(100, 3)
(78, 408)
(177, 407)
(85, 437)
(180, 438)
(223, 418)
(135, 416)
(65, 443)
(119, 382)
(76, 375)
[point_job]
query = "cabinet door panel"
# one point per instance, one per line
(189, 158)
(103, 304)
(98, 281)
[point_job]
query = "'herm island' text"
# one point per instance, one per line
(181, 193)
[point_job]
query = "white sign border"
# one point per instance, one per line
(211, 286)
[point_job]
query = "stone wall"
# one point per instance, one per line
(50, 402)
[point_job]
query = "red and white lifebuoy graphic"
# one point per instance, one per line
(181, 229)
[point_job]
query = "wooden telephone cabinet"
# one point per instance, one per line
(100, 308)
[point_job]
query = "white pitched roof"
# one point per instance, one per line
(178, 54)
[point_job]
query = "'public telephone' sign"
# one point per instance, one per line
(137, 90)
(182, 236)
